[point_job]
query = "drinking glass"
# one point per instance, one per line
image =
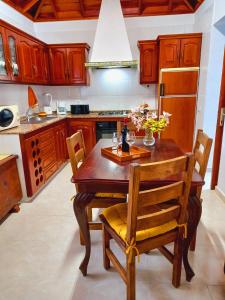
(131, 137)
(115, 141)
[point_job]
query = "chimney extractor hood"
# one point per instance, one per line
(111, 47)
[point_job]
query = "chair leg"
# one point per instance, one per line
(193, 242)
(177, 262)
(106, 244)
(131, 278)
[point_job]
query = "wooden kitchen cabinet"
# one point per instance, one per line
(61, 148)
(148, 62)
(10, 188)
(26, 59)
(38, 63)
(190, 52)
(4, 66)
(169, 56)
(180, 50)
(12, 40)
(67, 64)
(88, 129)
(58, 65)
(43, 153)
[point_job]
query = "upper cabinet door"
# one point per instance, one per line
(13, 44)
(76, 69)
(46, 74)
(26, 60)
(38, 63)
(58, 66)
(190, 52)
(4, 59)
(148, 62)
(169, 53)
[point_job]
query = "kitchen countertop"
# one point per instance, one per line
(27, 128)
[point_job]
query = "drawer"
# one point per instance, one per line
(50, 171)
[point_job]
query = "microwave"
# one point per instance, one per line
(9, 116)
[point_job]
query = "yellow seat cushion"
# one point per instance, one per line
(111, 195)
(116, 217)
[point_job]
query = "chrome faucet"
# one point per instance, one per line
(29, 113)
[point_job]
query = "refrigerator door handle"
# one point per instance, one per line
(162, 89)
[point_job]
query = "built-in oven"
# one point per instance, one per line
(105, 129)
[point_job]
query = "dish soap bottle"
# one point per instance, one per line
(125, 145)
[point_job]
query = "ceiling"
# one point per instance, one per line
(56, 10)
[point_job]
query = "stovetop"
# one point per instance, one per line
(113, 113)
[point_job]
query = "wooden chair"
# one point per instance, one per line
(201, 151)
(77, 155)
(151, 219)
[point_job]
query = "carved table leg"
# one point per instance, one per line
(194, 215)
(16, 208)
(79, 205)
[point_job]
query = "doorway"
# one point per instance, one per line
(219, 131)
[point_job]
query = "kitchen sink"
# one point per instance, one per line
(37, 120)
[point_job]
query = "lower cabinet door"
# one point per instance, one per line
(33, 165)
(182, 122)
(89, 132)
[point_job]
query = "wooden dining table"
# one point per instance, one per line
(101, 174)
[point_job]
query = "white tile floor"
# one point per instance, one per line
(40, 255)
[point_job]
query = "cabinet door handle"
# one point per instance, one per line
(162, 89)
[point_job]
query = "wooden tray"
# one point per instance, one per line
(118, 155)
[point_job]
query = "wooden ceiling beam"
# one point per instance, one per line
(29, 5)
(38, 10)
(54, 8)
(188, 4)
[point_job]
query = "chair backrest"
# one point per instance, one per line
(163, 203)
(76, 150)
(201, 151)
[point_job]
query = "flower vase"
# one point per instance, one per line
(148, 139)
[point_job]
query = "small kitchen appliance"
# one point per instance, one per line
(79, 109)
(9, 116)
(48, 108)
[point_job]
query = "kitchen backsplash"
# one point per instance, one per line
(111, 89)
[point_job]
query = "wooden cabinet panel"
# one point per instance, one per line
(148, 62)
(58, 66)
(46, 71)
(182, 124)
(43, 154)
(38, 63)
(10, 188)
(4, 57)
(190, 52)
(61, 148)
(175, 83)
(26, 60)
(88, 129)
(76, 68)
(13, 40)
(169, 53)
(33, 165)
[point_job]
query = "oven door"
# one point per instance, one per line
(6, 118)
(104, 130)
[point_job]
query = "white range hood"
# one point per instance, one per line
(111, 47)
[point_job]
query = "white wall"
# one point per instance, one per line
(17, 94)
(115, 89)
(13, 17)
(203, 23)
